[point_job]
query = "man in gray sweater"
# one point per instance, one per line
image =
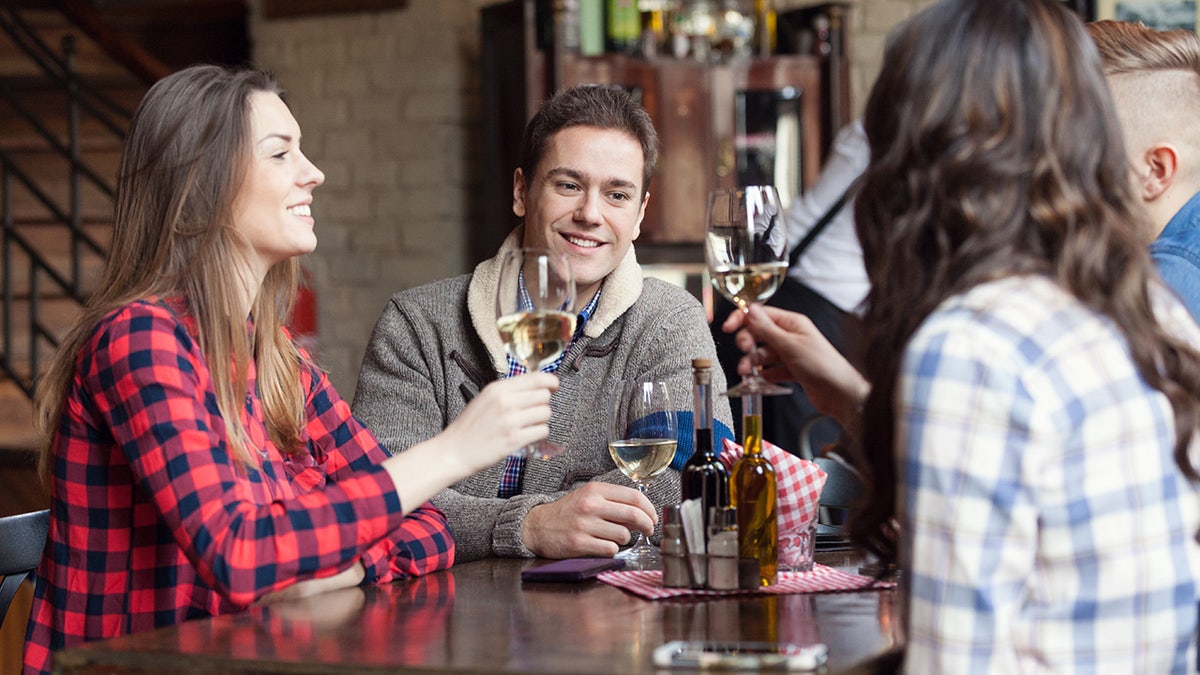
(582, 188)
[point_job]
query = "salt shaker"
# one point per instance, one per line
(674, 550)
(722, 549)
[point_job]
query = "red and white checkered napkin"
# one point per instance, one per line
(821, 579)
(798, 484)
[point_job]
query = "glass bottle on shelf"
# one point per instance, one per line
(752, 491)
(735, 30)
(822, 37)
(566, 25)
(623, 26)
(765, 21)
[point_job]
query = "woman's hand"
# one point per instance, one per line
(788, 347)
(507, 414)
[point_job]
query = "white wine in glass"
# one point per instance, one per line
(746, 252)
(535, 315)
(643, 432)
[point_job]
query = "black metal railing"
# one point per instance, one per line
(46, 278)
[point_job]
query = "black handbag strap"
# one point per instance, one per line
(820, 225)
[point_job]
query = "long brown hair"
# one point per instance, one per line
(183, 163)
(995, 151)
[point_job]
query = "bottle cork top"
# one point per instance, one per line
(701, 364)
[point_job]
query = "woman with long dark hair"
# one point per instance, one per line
(1035, 388)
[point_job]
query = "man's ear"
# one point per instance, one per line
(637, 230)
(1156, 170)
(519, 193)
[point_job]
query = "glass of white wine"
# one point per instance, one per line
(746, 252)
(535, 314)
(642, 435)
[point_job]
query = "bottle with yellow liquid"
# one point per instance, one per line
(752, 492)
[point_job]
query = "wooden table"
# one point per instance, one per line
(479, 617)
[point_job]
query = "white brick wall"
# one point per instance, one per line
(389, 106)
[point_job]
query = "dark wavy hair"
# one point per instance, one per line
(995, 151)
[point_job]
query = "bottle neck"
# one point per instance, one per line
(752, 425)
(702, 413)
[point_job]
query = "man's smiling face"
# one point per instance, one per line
(585, 199)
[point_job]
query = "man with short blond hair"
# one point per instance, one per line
(1154, 76)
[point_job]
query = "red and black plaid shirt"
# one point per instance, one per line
(154, 522)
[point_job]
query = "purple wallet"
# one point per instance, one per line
(571, 569)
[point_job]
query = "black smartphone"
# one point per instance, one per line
(571, 569)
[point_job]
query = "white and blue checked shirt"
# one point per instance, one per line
(514, 468)
(1047, 527)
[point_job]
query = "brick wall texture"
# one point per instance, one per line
(389, 106)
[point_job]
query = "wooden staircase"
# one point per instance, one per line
(55, 202)
(59, 156)
(58, 163)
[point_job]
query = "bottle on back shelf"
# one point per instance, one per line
(704, 477)
(765, 22)
(623, 23)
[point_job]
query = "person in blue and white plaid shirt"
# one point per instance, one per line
(1035, 388)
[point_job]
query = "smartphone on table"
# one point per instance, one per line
(718, 655)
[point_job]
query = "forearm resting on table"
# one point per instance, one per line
(348, 578)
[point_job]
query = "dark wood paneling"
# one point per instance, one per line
(277, 9)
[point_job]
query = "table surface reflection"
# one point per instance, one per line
(480, 617)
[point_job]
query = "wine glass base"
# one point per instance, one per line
(757, 387)
(641, 557)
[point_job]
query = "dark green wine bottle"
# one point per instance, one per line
(704, 476)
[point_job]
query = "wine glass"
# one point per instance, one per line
(641, 439)
(535, 314)
(746, 252)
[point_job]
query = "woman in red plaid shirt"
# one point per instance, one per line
(198, 462)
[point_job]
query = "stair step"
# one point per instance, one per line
(17, 432)
(50, 107)
(50, 172)
(57, 315)
(52, 27)
(53, 242)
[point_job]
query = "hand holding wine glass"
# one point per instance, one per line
(535, 314)
(746, 252)
(642, 438)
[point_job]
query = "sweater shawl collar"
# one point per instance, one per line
(622, 287)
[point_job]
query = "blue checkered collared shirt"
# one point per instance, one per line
(510, 482)
(1046, 525)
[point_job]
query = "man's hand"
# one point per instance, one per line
(593, 520)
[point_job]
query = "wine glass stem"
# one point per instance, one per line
(638, 539)
(755, 370)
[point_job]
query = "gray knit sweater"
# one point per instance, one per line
(435, 346)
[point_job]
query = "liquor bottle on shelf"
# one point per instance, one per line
(566, 25)
(765, 21)
(752, 491)
(822, 37)
(591, 27)
(704, 477)
(623, 23)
